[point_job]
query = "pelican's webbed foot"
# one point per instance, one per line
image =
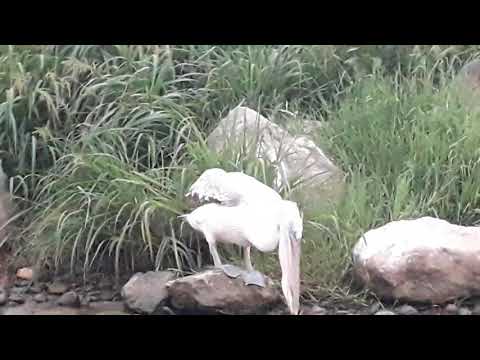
(231, 271)
(254, 278)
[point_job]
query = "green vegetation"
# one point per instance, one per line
(102, 142)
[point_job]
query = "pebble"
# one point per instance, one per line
(167, 311)
(25, 273)
(52, 298)
(314, 310)
(94, 296)
(343, 312)
(106, 295)
(69, 299)
(84, 301)
(384, 312)
(451, 308)
(279, 311)
(22, 283)
(375, 308)
(17, 290)
(39, 298)
(464, 311)
(113, 312)
(476, 309)
(57, 288)
(34, 289)
(3, 296)
(104, 284)
(17, 298)
(407, 310)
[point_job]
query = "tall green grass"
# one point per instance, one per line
(102, 142)
(410, 150)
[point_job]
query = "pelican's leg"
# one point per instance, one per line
(229, 270)
(252, 277)
(213, 251)
(248, 260)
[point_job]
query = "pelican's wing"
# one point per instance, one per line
(228, 188)
(211, 186)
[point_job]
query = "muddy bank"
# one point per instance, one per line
(51, 298)
(101, 295)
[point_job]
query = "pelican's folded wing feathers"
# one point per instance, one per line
(229, 189)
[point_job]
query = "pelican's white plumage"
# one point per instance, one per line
(248, 213)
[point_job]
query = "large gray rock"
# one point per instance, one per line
(470, 75)
(311, 127)
(467, 85)
(145, 292)
(300, 163)
(423, 260)
(211, 291)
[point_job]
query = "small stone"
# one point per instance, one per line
(314, 310)
(343, 312)
(52, 298)
(106, 295)
(25, 273)
(451, 308)
(407, 310)
(165, 310)
(113, 312)
(84, 301)
(374, 308)
(69, 299)
(104, 284)
(41, 286)
(17, 290)
(39, 298)
(281, 311)
(94, 296)
(22, 283)
(385, 312)
(103, 306)
(476, 309)
(3, 296)
(464, 311)
(57, 288)
(17, 298)
(34, 289)
(318, 310)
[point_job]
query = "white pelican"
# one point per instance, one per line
(248, 213)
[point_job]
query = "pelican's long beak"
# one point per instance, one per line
(289, 254)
